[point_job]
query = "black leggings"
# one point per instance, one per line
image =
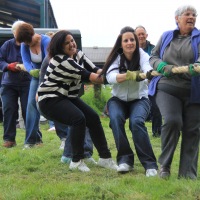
(77, 114)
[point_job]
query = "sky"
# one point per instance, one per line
(100, 21)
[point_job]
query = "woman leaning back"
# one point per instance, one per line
(129, 100)
(178, 95)
(59, 101)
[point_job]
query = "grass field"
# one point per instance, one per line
(38, 174)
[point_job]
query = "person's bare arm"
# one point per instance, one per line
(95, 78)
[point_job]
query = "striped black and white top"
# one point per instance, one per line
(64, 76)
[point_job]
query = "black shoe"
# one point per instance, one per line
(164, 172)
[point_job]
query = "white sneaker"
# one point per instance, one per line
(151, 172)
(52, 129)
(107, 163)
(80, 165)
(43, 120)
(123, 168)
(26, 146)
(62, 145)
(90, 160)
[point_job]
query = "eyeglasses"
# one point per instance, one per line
(187, 14)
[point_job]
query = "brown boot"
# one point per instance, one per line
(9, 144)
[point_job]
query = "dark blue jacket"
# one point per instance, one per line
(9, 53)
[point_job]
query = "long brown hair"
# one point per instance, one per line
(133, 65)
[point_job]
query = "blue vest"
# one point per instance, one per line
(195, 81)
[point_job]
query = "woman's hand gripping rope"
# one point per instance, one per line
(192, 69)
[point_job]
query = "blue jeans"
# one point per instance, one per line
(61, 130)
(88, 146)
(156, 117)
(137, 111)
(33, 134)
(9, 96)
(51, 124)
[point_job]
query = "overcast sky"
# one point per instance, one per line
(100, 21)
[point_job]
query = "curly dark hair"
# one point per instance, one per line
(56, 44)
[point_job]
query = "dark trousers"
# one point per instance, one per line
(156, 117)
(179, 116)
(9, 96)
(62, 131)
(77, 114)
(88, 145)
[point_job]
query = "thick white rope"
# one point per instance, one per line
(175, 70)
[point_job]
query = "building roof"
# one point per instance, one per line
(6, 34)
(97, 54)
(37, 12)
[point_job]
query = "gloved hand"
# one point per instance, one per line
(165, 69)
(148, 75)
(168, 70)
(35, 73)
(132, 75)
(191, 69)
(12, 67)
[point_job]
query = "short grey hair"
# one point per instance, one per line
(15, 25)
(185, 8)
(140, 26)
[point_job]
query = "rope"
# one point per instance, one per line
(21, 67)
(175, 70)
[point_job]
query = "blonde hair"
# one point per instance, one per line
(50, 34)
(15, 25)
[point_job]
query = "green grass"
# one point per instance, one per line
(37, 174)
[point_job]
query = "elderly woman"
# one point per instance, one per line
(15, 85)
(178, 95)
